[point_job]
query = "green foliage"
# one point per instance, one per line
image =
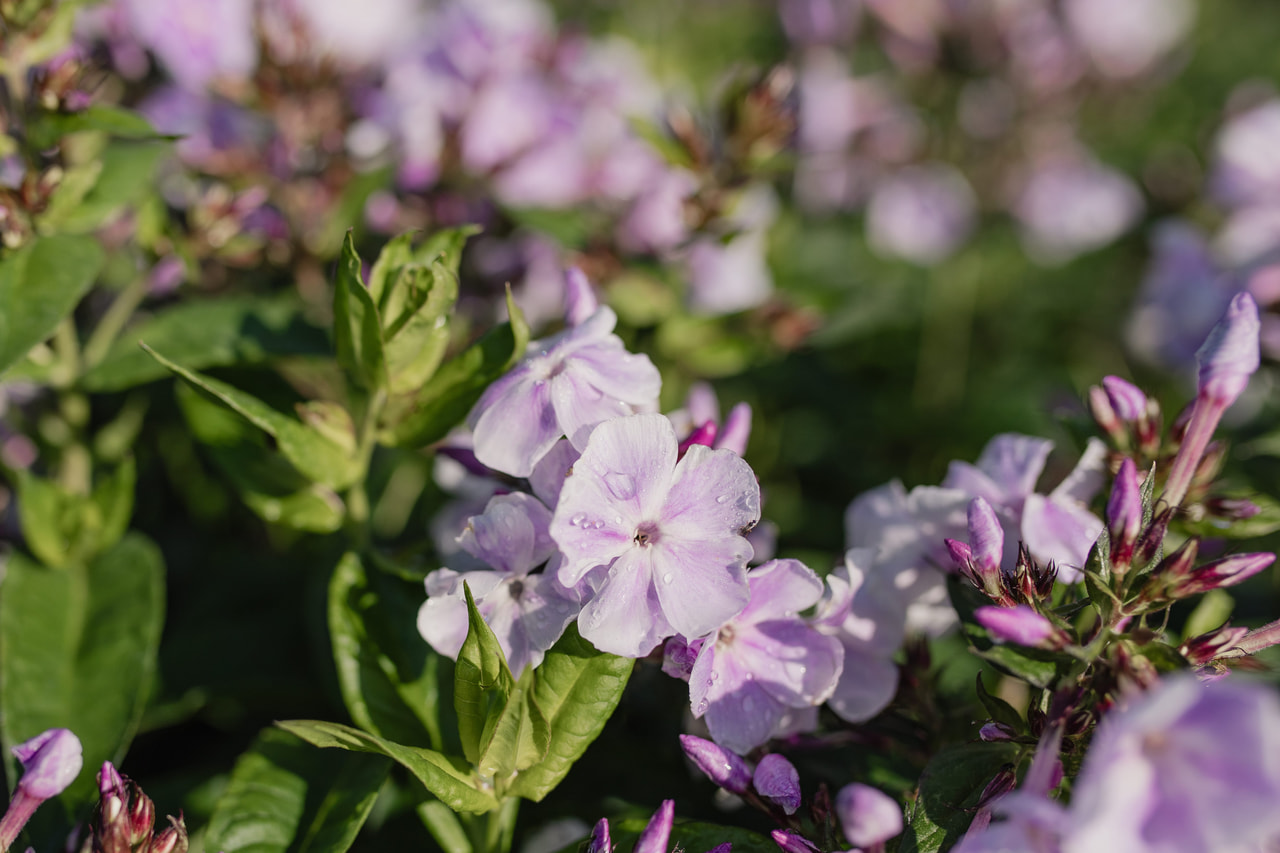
(49, 127)
(286, 795)
(357, 330)
(63, 526)
(1210, 613)
(121, 176)
(447, 777)
(391, 680)
(78, 650)
(40, 284)
(1035, 666)
(949, 789)
(482, 683)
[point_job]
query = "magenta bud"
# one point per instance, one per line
(142, 816)
(50, 762)
(1104, 414)
(735, 432)
(679, 656)
(173, 839)
(867, 815)
(599, 842)
(655, 836)
(792, 842)
(1002, 783)
(1127, 399)
(109, 781)
(1180, 562)
(1228, 571)
(1019, 624)
(1232, 509)
(579, 297)
(996, 732)
(726, 847)
(960, 552)
(1152, 538)
(776, 780)
(1229, 356)
(721, 766)
(986, 538)
(704, 435)
(1200, 650)
(1124, 515)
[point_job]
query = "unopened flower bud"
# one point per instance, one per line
(1228, 571)
(704, 435)
(1005, 780)
(679, 656)
(109, 781)
(579, 298)
(1104, 415)
(959, 551)
(776, 780)
(1261, 638)
(996, 732)
(142, 816)
(1179, 563)
(50, 762)
(1124, 515)
(174, 838)
(1232, 509)
(1229, 356)
(1021, 625)
(721, 766)
(599, 841)
(868, 816)
(1127, 399)
(654, 837)
(792, 842)
(735, 432)
(1152, 538)
(1200, 650)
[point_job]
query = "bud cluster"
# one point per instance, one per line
(124, 821)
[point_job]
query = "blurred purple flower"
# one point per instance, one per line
(1128, 39)
(50, 762)
(765, 659)
(670, 534)
(725, 768)
(1246, 167)
(726, 277)
(1070, 206)
(819, 22)
(867, 815)
(197, 41)
(921, 214)
(777, 781)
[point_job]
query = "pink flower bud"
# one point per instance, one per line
(1229, 356)
(792, 842)
(995, 732)
(599, 842)
(1019, 624)
(579, 297)
(1228, 571)
(704, 435)
(867, 815)
(720, 765)
(960, 552)
(776, 780)
(1127, 399)
(1207, 647)
(50, 762)
(655, 836)
(986, 538)
(1124, 515)
(1104, 415)
(736, 430)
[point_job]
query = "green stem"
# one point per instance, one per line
(357, 497)
(113, 322)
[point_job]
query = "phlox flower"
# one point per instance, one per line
(663, 535)
(527, 612)
(765, 660)
(564, 386)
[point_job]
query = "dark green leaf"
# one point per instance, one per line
(78, 650)
(39, 285)
(482, 684)
(577, 689)
(1035, 666)
(211, 333)
(50, 127)
(1000, 710)
(357, 329)
(286, 795)
(316, 457)
(449, 778)
(427, 415)
(388, 675)
(444, 827)
(949, 789)
(127, 170)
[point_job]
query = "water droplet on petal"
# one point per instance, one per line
(715, 676)
(721, 498)
(796, 671)
(617, 519)
(621, 486)
(668, 577)
(578, 519)
(702, 708)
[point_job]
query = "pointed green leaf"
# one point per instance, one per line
(39, 285)
(49, 519)
(78, 650)
(427, 415)
(208, 333)
(112, 500)
(577, 689)
(287, 795)
(515, 738)
(444, 827)
(949, 789)
(417, 341)
(447, 777)
(1000, 710)
(316, 457)
(482, 684)
(357, 329)
(388, 675)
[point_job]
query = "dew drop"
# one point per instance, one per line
(796, 671)
(702, 708)
(721, 499)
(668, 577)
(621, 486)
(617, 519)
(715, 676)
(578, 519)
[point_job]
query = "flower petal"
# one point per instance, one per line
(1061, 531)
(780, 589)
(867, 685)
(625, 618)
(713, 492)
(515, 430)
(701, 584)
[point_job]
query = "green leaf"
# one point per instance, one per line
(1211, 613)
(416, 344)
(49, 518)
(577, 689)
(516, 737)
(357, 329)
(1267, 521)
(949, 788)
(1000, 710)
(78, 650)
(447, 777)
(286, 795)
(126, 176)
(482, 684)
(413, 420)
(112, 503)
(50, 127)
(444, 827)
(316, 457)
(1035, 666)
(388, 675)
(208, 333)
(40, 284)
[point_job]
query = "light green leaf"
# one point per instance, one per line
(427, 415)
(515, 738)
(287, 795)
(416, 344)
(357, 329)
(127, 170)
(447, 777)
(209, 333)
(482, 684)
(50, 518)
(316, 457)
(112, 504)
(1211, 613)
(50, 127)
(949, 789)
(577, 689)
(388, 675)
(39, 285)
(78, 650)
(444, 827)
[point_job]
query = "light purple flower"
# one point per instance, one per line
(863, 612)
(1019, 624)
(765, 659)
(921, 214)
(656, 222)
(1246, 167)
(1068, 207)
(867, 815)
(668, 533)
(527, 612)
(197, 41)
(1127, 399)
(653, 838)
(565, 385)
(777, 781)
(1190, 766)
(726, 277)
(721, 766)
(815, 22)
(1229, 356)
(50, 762)
(1127, 39)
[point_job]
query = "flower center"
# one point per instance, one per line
(646, 533)
(516, 589)
(725, 637)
